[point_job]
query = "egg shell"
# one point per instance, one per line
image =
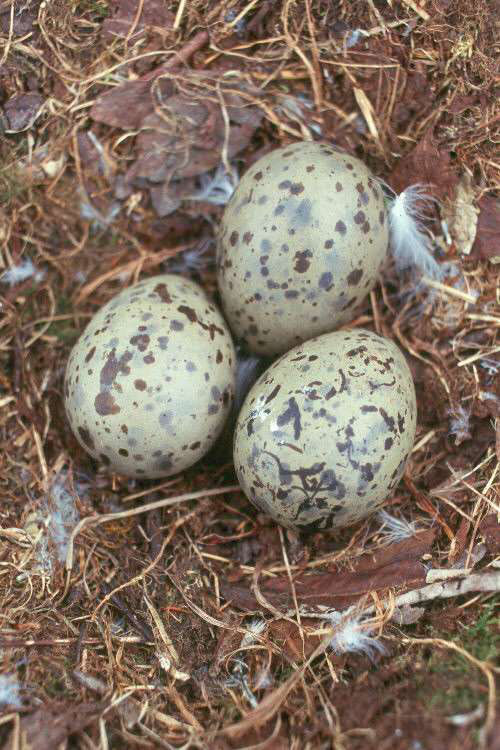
(150, 381)
(301, 244)
(324, 434)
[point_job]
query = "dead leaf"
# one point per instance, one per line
(126, 106)
(23, 19)
(490, 529)
(487, 244)
(461, 215)
(396, 565)
(426, 164)
(22, 110)
(50, 725)
(154, 13)
(287, 635)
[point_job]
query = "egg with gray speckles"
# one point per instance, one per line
(324, 434)
(150, 382)
(300, 246)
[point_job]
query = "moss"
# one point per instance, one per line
(448, 682)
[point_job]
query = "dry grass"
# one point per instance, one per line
(115, 615)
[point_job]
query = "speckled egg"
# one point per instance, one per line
(301, 244)
(150, 382)
(324, 434)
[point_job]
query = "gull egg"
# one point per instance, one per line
(150, 382)
(301, 244)
(323, 436)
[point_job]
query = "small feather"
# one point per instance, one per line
(411, 245)
(217, 187)
(395, 529)
(351, 635)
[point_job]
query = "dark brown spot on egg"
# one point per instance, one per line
(273, 394)
(123, 452)
(354, 277)
(381, 218)
(247, 238)
(189, 313)
(233, 239)
(328, 244)
(141, 341)
(195, 446)
(114, 366)
(310, 168)
(340, 227)
(140, 385)
(149, 359)
(388, 443)
(219, 357)
(162, 291)
(257, 176)
(360, 217)
(302, 261)
(124, 429)
(86, 438)
(105, 404)
(90, 354)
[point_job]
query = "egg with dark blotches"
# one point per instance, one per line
(301, 244)
(324, 435)
(150, 382)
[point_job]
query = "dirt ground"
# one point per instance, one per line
(195, 621)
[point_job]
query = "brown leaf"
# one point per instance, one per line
(164, 200)
(185, 141)
(396, 565)
(287, 635)
(22, 111)
(22, 21)
(427, 164)
(487, 246)
(50, 725)
(127, 105)
(490, 529)
(154, 13)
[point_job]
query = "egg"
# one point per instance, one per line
(150, 381)
(324, 435)
(301, 243)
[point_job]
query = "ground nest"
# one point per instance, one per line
(170, 613)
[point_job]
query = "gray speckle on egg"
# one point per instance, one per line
(301, 244)
(136, 390)
(324, 434)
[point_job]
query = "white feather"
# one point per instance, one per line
(352, 634)
(410, 242)
(217, 187)
(9, 692)
(25, 270)
(395, 529)
(194, 260)
(254, 628)
(460, 424)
